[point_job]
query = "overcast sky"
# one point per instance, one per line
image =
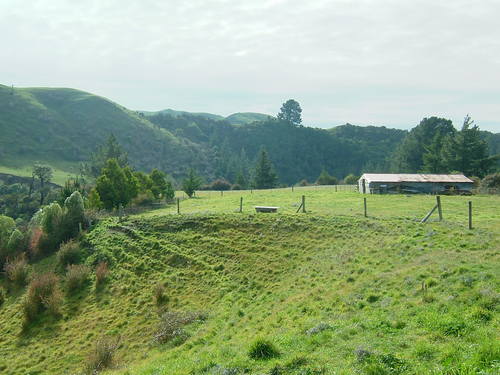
(367, 62)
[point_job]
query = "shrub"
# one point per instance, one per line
(76, 276)
(43, 294)
(325, 179)
(102, 356)
(303, 183)
(101, 273)
(34, 241)
(159, 294)
(172, 324)
(74, 215)
(221, 184)
(262, 350)
(144, 199)
(17, 270)
(68, 253)
(3, 296)
(351, 179)
(236, 187)
(491, 181)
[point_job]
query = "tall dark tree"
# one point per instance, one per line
(467, 152)
(191, 183)
(109, 150)
(265, 176)
(409, 156)
(291, 112)
(44, 174)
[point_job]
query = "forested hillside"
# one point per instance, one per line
(62, 127)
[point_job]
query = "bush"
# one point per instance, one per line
(34, 241)
(159, 294)
(303, 183)
(236, 187)
(491, 181)
(101, 273)
(171, 326)
(17, 270)
(3, 296)
(102, 356)
(325, 179)
(262, 349)
(351, 179)
(144, 199)
(43, 294)
(68, 253)
(221, 184)
(76, 276)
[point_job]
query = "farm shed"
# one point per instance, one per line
(375, 183)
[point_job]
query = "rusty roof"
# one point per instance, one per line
(407, 177)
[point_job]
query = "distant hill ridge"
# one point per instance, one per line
(238, 118)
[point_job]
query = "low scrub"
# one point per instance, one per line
(76, 276)
(17, 270)
(3, 296)
(43, 295)
(102, 356)
(69, 253)
(262, 350)
(171, 327)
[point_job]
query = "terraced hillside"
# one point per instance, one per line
(332, 294)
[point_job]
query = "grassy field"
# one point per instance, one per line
(336, 293)
(59, 177)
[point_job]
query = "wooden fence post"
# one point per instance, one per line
(364, 204)
(221, 193)
(303, 203)
(292, 188)
(178, 206)
(241, 204)
(440, 210)
(470, 214)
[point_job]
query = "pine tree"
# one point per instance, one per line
(265, 176)
(467, 152)
(191, 183)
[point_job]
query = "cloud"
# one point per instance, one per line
(366, 61)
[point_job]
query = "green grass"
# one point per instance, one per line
(333, 292)
(59, 177)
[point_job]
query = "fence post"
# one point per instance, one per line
(440, 211)
(364, 204)
(303, 203)
(221, 193)
(470, 214)
(241, 204)
(178, 206)
(292, 188)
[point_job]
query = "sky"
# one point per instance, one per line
(366, 62)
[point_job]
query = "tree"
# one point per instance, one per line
(7, 226)
(109, 150)
(290, 111)
(265, 176)
(74, 215)
(409, 156)
(325, 179)
(467, 152)
(158, 183)
(116, 186)
(44, 174)
(191, 183)
(94, 200)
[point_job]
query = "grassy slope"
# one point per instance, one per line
(242, 118)
(276, 276)
(62, 127)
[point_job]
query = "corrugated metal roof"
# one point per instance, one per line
(406, 177)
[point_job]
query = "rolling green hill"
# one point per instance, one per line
(242, 118)
(334, 292)
(239, 118)
(62, 127)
